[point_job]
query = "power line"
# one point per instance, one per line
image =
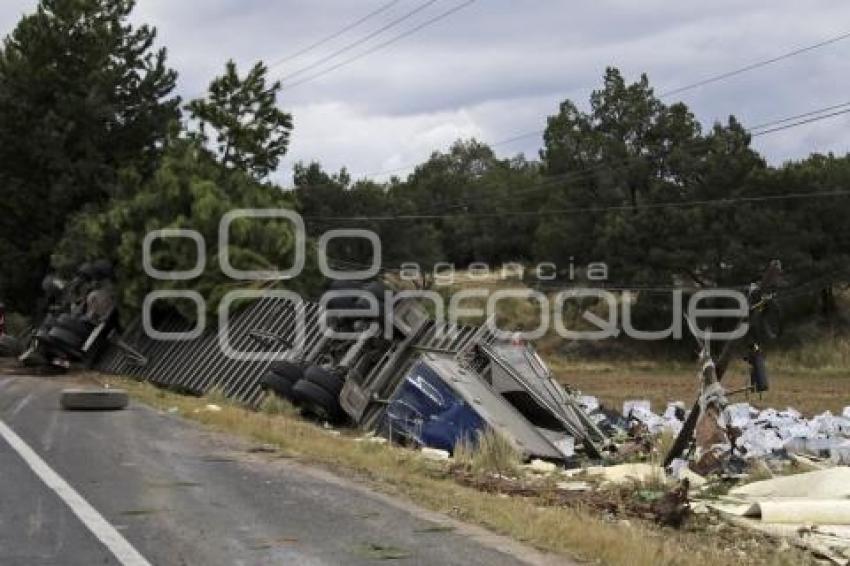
(678, 90)
(588, 172)
(581, 210)
(796, 116)
(334, 35)
(324, 40)
(756, 65)
(357, 42)
(380, 46)
(801, 122)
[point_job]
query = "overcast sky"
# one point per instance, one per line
(497, 68)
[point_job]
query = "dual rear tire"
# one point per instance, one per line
(314, 389)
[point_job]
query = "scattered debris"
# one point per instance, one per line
(93, 399)
(574, 486)
(371, 439)
(810, 510)
(434, 454)
(628, 473)
(541, 467)
(212, 407)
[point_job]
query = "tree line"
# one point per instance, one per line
(96, 150)
(632, 182)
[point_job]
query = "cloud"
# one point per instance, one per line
(499, 67)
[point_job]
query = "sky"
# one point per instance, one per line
(496, 69)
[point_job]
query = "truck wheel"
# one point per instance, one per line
(9, 346)
(93, 399)
(343, 303)
(326, 379)
(66, 341)
(67, 336)
(280, 385)
(344, 285)
(314, 400)
(290, 370)
(377, 289)
(77, 326)
(102, 269)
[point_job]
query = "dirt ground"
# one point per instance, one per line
(810, 392)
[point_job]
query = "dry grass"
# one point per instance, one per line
(274, 405)
(576, 533)
(809, 368)
(490, 453)
(809, 391)
(824, 352)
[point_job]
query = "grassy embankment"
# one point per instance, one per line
(572, 532)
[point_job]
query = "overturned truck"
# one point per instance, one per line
(401, 374)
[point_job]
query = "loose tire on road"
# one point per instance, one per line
(93, 399)
(314, 400)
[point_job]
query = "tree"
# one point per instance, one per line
(190, 191)
(613, 155)
(470, 186)
(84, 99)
(251, 132)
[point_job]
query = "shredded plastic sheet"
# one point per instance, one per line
(832, 483)
(626, 473)
(588, 402)
(811, 510)
(641, 405)
(762, 432)
(641, 410)
(768, 431)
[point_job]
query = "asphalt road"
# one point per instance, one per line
(179, 494)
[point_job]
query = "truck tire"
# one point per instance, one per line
(326, 379)
(102, 269)
(290, 370)
(93, 399)
(343, 303)
(377, 290)
(76, 325)
(314, 400)
(67, 341)
(344, 285)
(374, 288)
(278, 384)
(9, 346)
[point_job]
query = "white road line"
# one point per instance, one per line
(94, 521)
